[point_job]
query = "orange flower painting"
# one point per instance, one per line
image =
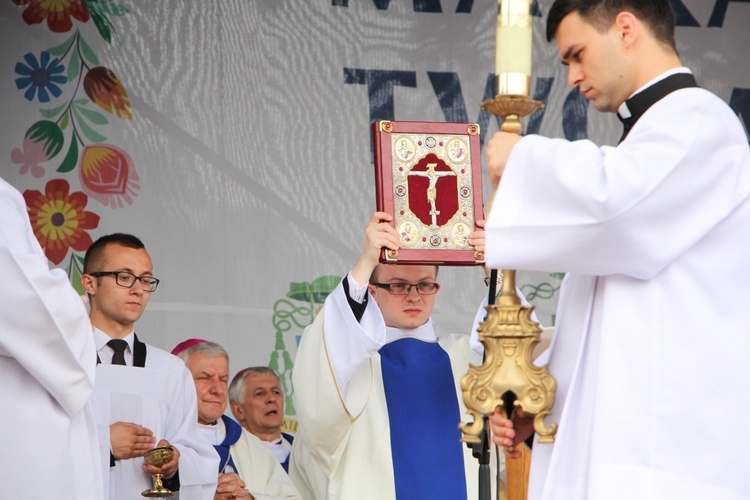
(59, 219)
(56, 12)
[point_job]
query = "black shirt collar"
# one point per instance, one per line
(639, 102)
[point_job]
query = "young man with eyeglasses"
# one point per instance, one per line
(144, 396)
(377, 391)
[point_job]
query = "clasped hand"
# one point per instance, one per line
(509, 432)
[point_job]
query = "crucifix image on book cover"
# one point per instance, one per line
(428, 176)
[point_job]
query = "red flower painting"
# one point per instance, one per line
(59, 219)
(56, 12)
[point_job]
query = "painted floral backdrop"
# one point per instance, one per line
(75, 95)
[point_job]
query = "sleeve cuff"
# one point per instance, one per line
(357, 292)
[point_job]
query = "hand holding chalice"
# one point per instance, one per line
(157, 457)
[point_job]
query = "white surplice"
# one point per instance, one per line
(652, 349)
(264, 477)
(161, 397)
(343, 447)
(47, 363)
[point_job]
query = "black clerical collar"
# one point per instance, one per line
(640, 102)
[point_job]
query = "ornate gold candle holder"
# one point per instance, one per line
(508, 377)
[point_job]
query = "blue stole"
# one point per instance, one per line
(285, 463)
(234, 431)
(423, 411)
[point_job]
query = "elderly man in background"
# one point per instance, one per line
(246, 469)
(257, 401)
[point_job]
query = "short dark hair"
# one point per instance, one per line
(94, 255)
(376, 272)
(656, 14)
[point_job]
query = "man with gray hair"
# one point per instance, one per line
(246, 469)
(257, 401)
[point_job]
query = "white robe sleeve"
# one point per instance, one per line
(575, 207)
(43, 325)
(306, 473)
(331, 352)
(350, 343)
(48, 361)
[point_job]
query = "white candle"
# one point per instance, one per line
(513, 50)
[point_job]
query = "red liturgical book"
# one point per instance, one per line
(428, 175)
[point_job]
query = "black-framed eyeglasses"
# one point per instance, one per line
(127, 280)
(405, 288)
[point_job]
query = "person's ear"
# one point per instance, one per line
(237, 410)
(627, 26)
(89, 283)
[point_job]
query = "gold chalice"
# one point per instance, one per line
(158, 457)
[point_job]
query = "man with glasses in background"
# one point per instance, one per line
(377, 393)
(144, 396)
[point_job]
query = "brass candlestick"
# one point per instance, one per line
(508, 377)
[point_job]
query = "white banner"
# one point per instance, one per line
(233, 138)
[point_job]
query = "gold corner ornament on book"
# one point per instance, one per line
(428, 175)
(508, 377)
